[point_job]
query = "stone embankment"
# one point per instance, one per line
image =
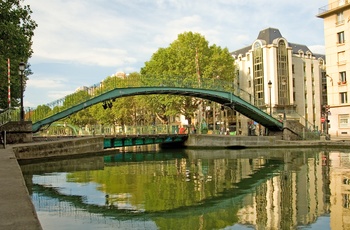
(226, 141)
(60, 148)
(17, 210)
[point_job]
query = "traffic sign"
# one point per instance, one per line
(323, 119)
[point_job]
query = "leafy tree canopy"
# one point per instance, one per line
(16, 32)
(188, 62)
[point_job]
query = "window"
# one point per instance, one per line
(258, 74)
(343, 98)
(341, 57)
(282, 73)
(342, 77)
(341, 38)
(344, 121)
(340, 18)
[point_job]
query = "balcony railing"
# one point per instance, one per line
(332, 6)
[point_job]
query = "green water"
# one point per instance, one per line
(193, 189)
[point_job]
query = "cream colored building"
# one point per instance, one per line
(336, 16)
(295, 77)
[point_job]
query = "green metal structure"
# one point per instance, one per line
(123, 141)
(225, 98)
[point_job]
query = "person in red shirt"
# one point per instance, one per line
(182, 130)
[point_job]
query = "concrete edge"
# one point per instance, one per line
(18, 211)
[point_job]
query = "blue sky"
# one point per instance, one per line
(81, 42)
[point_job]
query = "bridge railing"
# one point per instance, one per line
(69, 130)
(85, 93)
(12, 114)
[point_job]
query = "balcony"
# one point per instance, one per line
(332, 7)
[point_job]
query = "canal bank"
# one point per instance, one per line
(238, 142)
(17, 210)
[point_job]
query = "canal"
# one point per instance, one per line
(149, 188)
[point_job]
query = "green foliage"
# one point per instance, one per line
(189, 61)
(39, 112)
(16, 32)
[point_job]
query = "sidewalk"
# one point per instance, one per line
(17, 211)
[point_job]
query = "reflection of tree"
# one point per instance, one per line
(205, 201)
(159, 187)
(212, 193)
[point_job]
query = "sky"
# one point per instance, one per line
(81, 42)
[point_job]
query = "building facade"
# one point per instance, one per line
(282, 78)
(336, 16)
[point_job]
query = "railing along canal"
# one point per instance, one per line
(86, 93)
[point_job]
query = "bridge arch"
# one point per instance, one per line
(222, 97)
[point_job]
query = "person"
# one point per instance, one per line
(222, 130)
(182, 130)
(194, 130)
(253, 130)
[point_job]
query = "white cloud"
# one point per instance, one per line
(46, 83)
(122, 35)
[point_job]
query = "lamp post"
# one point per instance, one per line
(284, 101)
(270, 86)
(22, 66)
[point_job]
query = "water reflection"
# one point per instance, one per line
(193, 189)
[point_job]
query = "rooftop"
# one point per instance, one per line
(269, 35)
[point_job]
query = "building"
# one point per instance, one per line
(282, 78)
(336, 16)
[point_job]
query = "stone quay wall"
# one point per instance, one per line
(222, 141)
(61, 148)
(17, 132)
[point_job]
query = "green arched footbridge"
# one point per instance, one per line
(222, 97)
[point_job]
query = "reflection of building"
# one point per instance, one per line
(336, 16)
(340, 190)
(292, 198)
(294, 71)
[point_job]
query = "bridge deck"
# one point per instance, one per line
(225, 98)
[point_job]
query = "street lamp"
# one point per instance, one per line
(270, 86)
(22, 66)
(284, 100)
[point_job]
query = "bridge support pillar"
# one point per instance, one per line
(277, 134)
(17, 132)
(292, 130)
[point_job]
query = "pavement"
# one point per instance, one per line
(17, 211)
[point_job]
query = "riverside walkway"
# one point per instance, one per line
(17, 211)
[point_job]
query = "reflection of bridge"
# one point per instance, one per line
(229, 198)
(122, 141)
(231, 97)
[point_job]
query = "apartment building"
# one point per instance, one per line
(282, 78)
(336, 17)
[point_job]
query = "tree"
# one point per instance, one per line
(16, 32)
(188, 62)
